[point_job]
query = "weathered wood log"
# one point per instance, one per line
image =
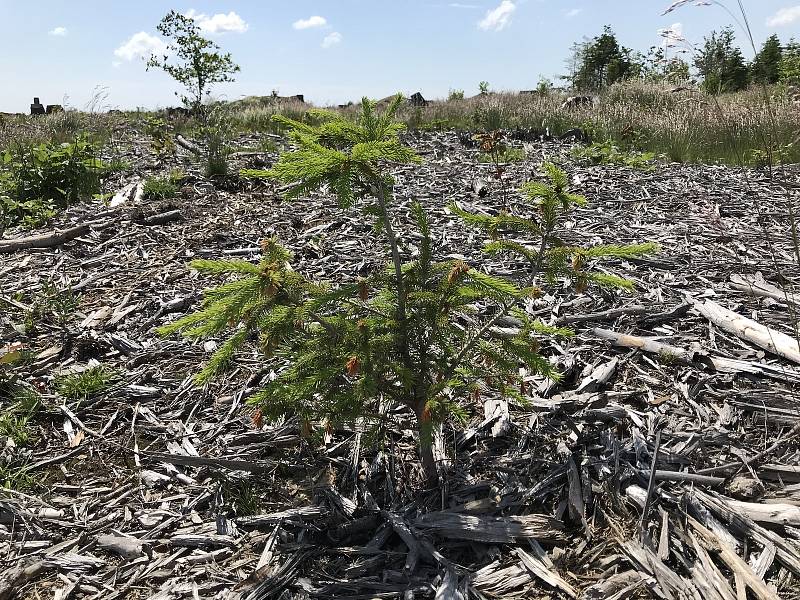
(786, 552)
(187, 145)
(773, 341)
(125, 546)
(492, 529)
(46, 240)
(163, 218)
(650, 345)
(778, 514)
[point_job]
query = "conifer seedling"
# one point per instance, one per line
(419, 334)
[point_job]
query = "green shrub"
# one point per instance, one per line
(35, 181)
(216, 132)
(505, 155)
(608, 153)
(455, 95)
(160, 133)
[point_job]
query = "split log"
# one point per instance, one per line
(47, 240)
(786, 552)
(598, 377)
(125, 546)
(607, 588)
(132, 191)
(545, 573)
(492, 529)
(754, 332)
(778, 514)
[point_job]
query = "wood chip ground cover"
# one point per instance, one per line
(158, 489)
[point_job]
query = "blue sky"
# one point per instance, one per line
(333, 50)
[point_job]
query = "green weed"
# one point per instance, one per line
(53, 306)
(608, 153)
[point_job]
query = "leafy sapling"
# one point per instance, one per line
(191, 59)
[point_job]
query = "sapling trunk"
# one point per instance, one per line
(398, 265)
(425, 429)
(424, 425)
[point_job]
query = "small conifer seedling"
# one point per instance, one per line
(411, 335)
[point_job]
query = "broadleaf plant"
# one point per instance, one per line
(191, 59)
(420, 335)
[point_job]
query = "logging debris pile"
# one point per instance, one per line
(663, 465)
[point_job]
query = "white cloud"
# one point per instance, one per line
(460, 5)
(140, 45)
(332, 39)
(573, 12)
(784, 16)
(218, 23)
(311, 22)
(116, 64)
(58, 31)
(498, 18)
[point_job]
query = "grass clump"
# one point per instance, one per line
(52, 306)
(23, 405)
(19, 403)
(160, 188)
(88, 383)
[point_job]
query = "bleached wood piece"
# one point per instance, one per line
(647, 344)
(752, 331)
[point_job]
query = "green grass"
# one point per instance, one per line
(53, 305)
(15, 478)
(685, 126)
(88, 383)
(24, 403)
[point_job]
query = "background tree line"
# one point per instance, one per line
(719, 63)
